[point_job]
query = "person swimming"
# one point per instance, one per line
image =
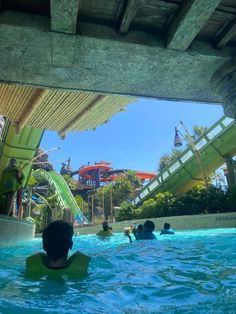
(57, 241)
(142, 232)
(167, 229)
(147, 231)
(106, 232)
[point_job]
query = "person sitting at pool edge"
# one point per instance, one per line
(57, 241)
(146, 233)
(106, 232)
(167, 229)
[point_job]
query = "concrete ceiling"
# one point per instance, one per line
(147, 48)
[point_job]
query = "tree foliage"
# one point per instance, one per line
(166, 159)
(70, 182)
(113, 195)
(198, 200)
(126, 212)
(48, 211)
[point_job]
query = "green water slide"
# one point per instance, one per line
(216, 144)
(22, 147)
(62, 192)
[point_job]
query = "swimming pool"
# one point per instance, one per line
(190, 272)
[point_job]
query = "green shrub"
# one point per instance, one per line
(198, 200)
(125, 212)
(231, 199)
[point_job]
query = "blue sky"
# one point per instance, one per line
(133, 139)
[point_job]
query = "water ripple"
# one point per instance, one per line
(191, 272)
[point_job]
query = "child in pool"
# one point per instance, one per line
(57, 241)
(106, 232)
(167, 229)
(144, 233)
(137, 232)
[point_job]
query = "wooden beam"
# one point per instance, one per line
(64, 14)
(128, 15)
(70, 125)
(227, 33)
(193, 15)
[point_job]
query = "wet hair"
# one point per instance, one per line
(166, 225)
(105, 225)
(140, 228)
(57, 239)
(149, 226)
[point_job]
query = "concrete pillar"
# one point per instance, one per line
(231, 175)
(224, 84)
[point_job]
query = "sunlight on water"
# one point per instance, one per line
(190, 272)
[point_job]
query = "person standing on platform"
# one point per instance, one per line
(11, 182)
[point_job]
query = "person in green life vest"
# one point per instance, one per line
(105, 232)
(57, 241)
(11, 181)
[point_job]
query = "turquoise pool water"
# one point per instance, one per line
(190, 272)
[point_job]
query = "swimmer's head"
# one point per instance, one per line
(105, 225)
(148, 226)
(166, 226)
(139, 228)
(57, 239)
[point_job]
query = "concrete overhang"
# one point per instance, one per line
(97, 59)
(156, 49)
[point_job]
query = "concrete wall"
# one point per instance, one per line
(225, 220)
(13, 231)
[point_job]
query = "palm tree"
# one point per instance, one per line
(166, 159)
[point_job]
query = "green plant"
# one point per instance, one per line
(30, 220)
(70, 182)
(148, 210)
(118, 192)
(198, 200)
(79, 200)
(231, 199)
(125, 212)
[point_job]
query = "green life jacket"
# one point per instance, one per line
(104, 234)
(77, 266)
